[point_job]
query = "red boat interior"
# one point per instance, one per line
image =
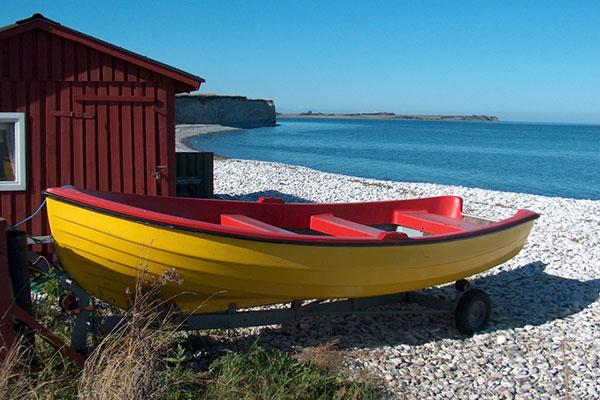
(272, 218)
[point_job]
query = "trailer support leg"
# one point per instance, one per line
(81, 324)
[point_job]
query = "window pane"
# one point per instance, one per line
(7, 151)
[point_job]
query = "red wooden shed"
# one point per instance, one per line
(75, 110)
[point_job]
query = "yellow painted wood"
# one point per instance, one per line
(106, 254)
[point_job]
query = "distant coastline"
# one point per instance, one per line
(385, 115)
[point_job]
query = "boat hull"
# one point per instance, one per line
(105, 254)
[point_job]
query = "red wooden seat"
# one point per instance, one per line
(431, 223)
(243, 221)
(332, 225)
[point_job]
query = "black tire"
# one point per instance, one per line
(462, 285)
(472, 312)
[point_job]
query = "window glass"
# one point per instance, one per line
(7, 151)
(12, 152)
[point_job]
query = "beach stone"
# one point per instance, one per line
(496, 375)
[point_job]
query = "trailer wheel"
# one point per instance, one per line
(472, 312)
(462, 285)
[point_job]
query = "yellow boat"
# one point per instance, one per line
(267, 252)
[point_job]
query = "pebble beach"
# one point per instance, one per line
(543, 338)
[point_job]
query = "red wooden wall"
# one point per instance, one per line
(93, 120)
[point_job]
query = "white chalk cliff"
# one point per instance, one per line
(236, 111)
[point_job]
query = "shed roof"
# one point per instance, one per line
(188, 82)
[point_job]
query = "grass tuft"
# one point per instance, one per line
(130, 362)
(36, 373)
(273, 374)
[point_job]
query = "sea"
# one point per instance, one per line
(558, 160)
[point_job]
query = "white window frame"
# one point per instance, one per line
(20, 182)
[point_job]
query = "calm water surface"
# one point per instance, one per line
(552, 160)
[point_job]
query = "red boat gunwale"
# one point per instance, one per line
(444, 208)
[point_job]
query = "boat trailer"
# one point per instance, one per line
(471, 309)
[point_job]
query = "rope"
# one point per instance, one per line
(38, 210)
(31, 216)
(35, 285)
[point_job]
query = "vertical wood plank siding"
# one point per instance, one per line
(89, 143)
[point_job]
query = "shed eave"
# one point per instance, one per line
(189, 82)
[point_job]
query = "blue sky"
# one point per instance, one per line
(520, 61)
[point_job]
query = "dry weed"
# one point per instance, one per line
(327, 357)
(127, 364)
(9, 372)
(19, 379)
